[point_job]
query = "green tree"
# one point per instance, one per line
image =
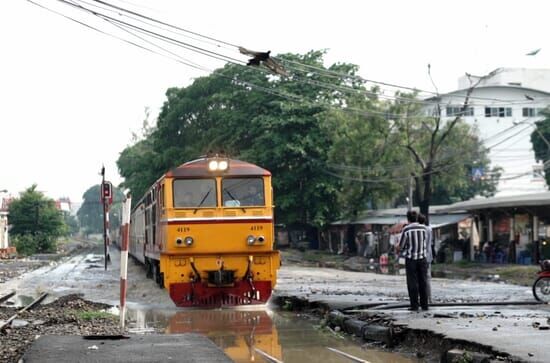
(90, 213)
(71, 223)
(36, 222)
(223, 112)
(540, 140)
(362, 156)
(435, 146)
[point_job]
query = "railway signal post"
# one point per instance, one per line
(106, 200)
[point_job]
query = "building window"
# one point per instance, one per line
(457, 111)
(498, 112)
(531, 112)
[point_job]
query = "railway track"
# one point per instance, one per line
(30, 306)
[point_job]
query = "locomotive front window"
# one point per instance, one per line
(194, 193)
(243, 192)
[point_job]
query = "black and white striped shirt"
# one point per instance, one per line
(414, 241)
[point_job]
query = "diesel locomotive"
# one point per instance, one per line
(205, 232)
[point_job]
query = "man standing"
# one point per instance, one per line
(414, 241)
(430, 254)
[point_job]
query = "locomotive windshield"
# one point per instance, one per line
(194, 193)
(242, 192)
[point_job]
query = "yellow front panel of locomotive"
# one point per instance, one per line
(218, 237)
(177, 268)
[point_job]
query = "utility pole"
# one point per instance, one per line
(410, 197)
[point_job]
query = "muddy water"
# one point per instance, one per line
(254, 335)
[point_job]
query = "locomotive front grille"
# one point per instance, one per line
(221, 277)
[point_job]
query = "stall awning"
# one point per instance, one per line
(442, 220)
(535, 199)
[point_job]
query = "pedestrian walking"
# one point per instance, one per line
(430, 254)
(414, 242)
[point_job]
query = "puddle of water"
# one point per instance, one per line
(250, 335)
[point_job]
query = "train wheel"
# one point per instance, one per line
(148, 268)
(541, 289)
(155, 271)
(161, 283)
(157, 275)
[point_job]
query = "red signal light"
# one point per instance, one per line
(107, 192)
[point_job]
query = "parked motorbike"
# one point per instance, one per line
(541, 287)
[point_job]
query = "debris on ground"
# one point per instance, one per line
(68, 315)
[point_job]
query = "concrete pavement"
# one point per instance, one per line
(186, 348)
(522, 332)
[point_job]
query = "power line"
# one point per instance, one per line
(329, 72)
(185, 45)
(235, 61)
(161, 37)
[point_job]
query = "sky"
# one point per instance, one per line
(71, 97)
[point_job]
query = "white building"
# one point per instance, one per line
(504, 108)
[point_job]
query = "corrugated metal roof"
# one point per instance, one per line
(398, 215)
(534, 199)
(438, 221)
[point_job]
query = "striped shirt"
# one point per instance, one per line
(414, 241)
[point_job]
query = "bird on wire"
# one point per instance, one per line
(534, 52)
(264, 58)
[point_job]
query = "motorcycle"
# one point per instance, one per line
(541, 287)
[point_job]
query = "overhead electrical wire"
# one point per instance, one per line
(228, 44)
(121, 24)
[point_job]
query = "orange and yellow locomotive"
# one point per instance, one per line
(205, 232)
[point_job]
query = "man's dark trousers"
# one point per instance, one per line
(417, 272)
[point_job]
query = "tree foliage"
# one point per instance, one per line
(437, 149)
(36, 222)
(90, 213)
(540, 140)
(323, 135)
(222, 113)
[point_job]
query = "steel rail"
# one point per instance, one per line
(349, 356)
(6, 297)
(26, 308)
(268, 357)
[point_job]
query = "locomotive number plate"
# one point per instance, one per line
(256, 228)
(184, 229)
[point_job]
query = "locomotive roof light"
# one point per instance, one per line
(213, 165)
(188, 241)
(223, 165)
(218, 164)
(250, 240)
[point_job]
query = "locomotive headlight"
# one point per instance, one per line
(188, 241)
(179, 241)
(261, 239)
(213, 165)
(222, 165)
(250, 240)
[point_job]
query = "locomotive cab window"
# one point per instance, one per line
(243, 192)
(194, 193)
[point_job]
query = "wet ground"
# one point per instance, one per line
(245, 335)
(290, 337)
(252, 335)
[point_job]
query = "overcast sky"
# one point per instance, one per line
(71, 97)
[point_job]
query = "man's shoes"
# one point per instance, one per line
(413, 309)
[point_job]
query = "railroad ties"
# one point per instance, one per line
(36, 302)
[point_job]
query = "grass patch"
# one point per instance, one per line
(94, 315)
